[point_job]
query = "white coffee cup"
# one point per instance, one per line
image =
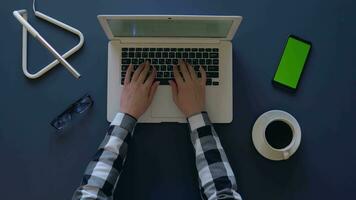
(259, 135)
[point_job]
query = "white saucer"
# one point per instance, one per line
(259, 139)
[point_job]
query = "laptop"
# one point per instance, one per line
(163, 40)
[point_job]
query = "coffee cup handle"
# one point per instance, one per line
(286, 155)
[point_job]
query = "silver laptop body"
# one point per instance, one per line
(201, 40)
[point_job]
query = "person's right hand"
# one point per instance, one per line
(188, 90)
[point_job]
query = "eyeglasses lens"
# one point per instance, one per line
(83, 105)
(62, 120)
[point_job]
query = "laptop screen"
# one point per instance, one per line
(169, 28)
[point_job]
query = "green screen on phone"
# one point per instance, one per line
(292, 62)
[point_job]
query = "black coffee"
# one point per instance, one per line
(279, 134)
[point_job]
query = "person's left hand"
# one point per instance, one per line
(138, 92)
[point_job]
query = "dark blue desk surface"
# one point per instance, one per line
(38, 164)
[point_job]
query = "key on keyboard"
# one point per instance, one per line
(163, 60)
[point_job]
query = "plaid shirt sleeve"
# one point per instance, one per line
(102, 173)
(216, 178)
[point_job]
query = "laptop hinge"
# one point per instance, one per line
(168, 40)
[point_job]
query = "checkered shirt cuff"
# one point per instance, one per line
(198, 120)
(125, 121)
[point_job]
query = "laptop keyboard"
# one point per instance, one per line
(163, 60)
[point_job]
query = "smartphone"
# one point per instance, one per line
(291, 65)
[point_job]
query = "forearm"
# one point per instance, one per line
(102, 173)
(216, 178)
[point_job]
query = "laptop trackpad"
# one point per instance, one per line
(163, 105)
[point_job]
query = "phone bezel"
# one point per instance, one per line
(286, 87)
